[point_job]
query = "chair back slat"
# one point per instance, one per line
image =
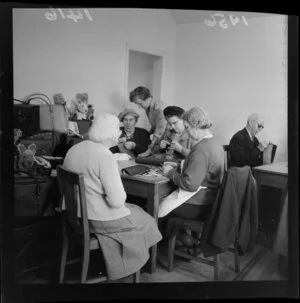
(227, 155)
(71, 186)
(274, 148)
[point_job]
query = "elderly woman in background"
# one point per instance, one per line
(203, 166)
(133, 140)
(125, 231)
(175, 137)
(154, 111)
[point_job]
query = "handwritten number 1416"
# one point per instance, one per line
(75, 17)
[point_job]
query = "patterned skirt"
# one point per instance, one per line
(125, 242)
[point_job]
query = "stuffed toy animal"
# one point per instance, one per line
(79, 107)
(31, 164)
(17, 135)
(91, 112)
(59, 99)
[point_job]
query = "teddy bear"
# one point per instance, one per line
(59, 99)
(17, 135)
(31, 164)
(91, 112)
(79, 107)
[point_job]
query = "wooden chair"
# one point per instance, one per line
(76, 229)
(198, 227)
(226, 148)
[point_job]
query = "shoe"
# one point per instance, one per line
(184, 250)
(187, 240)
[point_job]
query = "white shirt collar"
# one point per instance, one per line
(250, 135)
(206, 136)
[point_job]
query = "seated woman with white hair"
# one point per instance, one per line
(201, 173)
(125, 231)
(133, 140)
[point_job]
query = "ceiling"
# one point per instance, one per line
(198, 16)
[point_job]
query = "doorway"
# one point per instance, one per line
(144, 69)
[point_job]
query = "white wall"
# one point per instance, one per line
(233, 72)
(140, 70)
(62, 56)
(140, 73)
(230, 72)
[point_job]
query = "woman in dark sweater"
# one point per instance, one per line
(133, 140)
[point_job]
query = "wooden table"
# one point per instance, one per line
(273, 175)
(153, 189)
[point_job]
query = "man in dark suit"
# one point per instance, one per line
(245, 149)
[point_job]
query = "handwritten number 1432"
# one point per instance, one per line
(222, 23)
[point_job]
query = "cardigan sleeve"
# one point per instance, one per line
(193, 172)
(157, 120)
(111, 181)
(141, 139)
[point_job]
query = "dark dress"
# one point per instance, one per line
(244, 151)
(140, 137)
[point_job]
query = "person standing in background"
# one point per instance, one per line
(154, 110)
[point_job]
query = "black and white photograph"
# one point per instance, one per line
(150, 150)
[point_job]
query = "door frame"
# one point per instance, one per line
(128, 48)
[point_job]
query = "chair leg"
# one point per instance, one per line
(63, 260)
(85, 262)
(236, 261)
(136, 277)
(171, 247)
(216, 267)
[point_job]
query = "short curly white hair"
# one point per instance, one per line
(105, 127)
(197, 117)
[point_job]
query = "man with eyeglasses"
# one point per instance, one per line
(245, 149)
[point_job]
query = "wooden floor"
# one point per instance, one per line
(261, 265)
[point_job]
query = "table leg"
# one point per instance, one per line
(152, 205)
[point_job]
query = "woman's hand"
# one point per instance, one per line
(122, 140)
(167, 167)
(163, 144)
(146, 153)
(175, 146)
(122, 148)
(263, 145)
(129, 145)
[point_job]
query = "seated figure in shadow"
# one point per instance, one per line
(245, 148)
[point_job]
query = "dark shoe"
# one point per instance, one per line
(187, 240)
(184, 250)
